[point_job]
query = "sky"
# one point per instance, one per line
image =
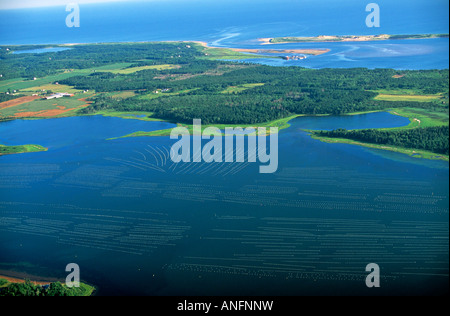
(18, 4)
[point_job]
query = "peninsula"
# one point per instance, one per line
(21, 149)
(347, 38)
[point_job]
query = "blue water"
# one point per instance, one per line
(56, 133)
(372, 120)
(42, 50)
(240, 23)
(137, 224)
(396, 54)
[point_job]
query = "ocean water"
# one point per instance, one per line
(240, 23)
(42, 50)
(139, 225)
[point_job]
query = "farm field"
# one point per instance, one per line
(240, 88)
(404, 97)
(45, 108)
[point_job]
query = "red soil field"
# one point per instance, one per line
(18, 101)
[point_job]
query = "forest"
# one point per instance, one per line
(28, 288)
(434, 139)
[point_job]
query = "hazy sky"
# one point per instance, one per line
(15, 4)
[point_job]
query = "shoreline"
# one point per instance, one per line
(414, 153)
(16, 277)
(284, 124)
(306, 51)
(345, 38)
(20, 277)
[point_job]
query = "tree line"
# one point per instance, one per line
(434, 139)
(30, 289)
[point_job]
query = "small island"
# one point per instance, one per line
(306, 51)
(9, 150)
(347, 38)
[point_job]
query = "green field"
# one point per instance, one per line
(398, 91)
(22, 84)
(153, 95)
(120, 95)
(131, 70)
(228, 54)
(51, 87)
(27, 84)
(143, 116)
(39, 106)
(421, 117)
(240, 88)
(410, 98)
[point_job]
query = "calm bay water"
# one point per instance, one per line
(137, 224)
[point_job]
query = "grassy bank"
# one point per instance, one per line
(142, 116)
(420, 117)
(410, 152)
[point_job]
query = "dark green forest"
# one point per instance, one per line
(53, 289)
(434, 139)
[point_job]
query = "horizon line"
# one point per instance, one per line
(30, 4)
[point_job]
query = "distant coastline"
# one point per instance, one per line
(305, 51)
(346, 38)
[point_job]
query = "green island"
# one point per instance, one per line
(347, 38)
(29, 288)
(8, 150)
(180, 81)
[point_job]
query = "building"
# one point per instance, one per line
(58, 95)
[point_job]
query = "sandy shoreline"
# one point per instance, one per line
(326, 39)
(305, 51)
